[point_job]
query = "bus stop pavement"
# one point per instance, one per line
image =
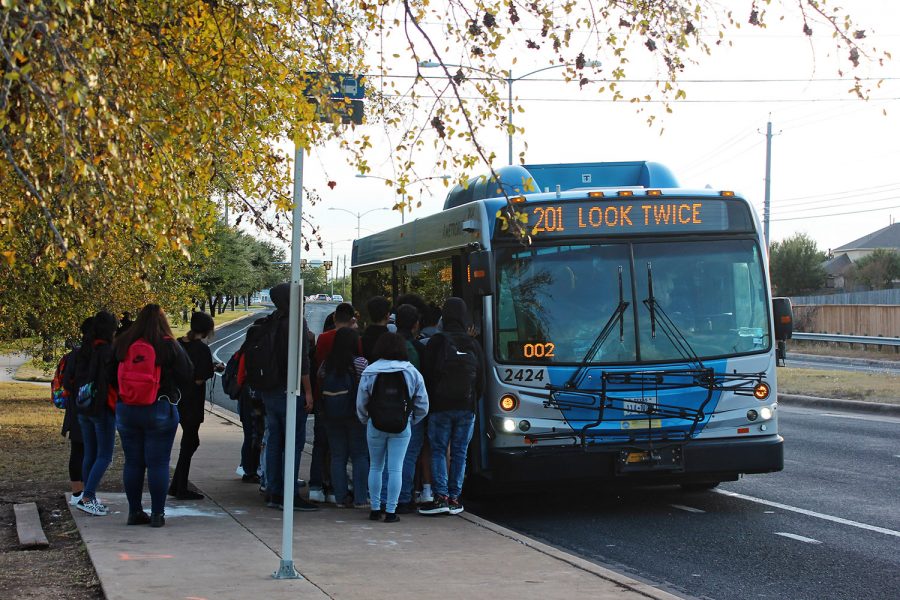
(228, 546)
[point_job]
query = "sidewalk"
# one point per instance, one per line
(228, 545)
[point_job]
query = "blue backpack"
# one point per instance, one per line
(339, 395)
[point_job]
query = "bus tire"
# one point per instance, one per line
(702, 486)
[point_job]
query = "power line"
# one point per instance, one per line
(886, 187)
(791, 210)
(840, 214)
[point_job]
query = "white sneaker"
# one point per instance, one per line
(75, 498)
(239, 471)
(426, 496)
(330, 499)
(316, 495)
(92, 507)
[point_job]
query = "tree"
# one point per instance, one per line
(877, 270)
(795, 266)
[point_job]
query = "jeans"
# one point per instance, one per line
(276, 425)
(453, 429)
(317, 475)
(99, 436)
(147, 434)
(387, 448)
(416, 439)
(347, 439)
(252, 438)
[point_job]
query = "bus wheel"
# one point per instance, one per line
(703, 486)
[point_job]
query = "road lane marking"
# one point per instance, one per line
(687, 508)
(811, 513)
(223, 344)
(799, 538)
(877, 419)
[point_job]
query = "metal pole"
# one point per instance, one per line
(766, 205)
(286, 569)
(333, 268)
(358, 218)
(509, 124)
(344, 279)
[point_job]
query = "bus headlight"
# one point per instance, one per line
(752, 415)
(766, 413)
(524, 425)
(509, 425)
(508, 402)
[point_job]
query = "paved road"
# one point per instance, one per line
(837, 363)
(828, 526)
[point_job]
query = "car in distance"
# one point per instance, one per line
(337, 298)
(322, 298)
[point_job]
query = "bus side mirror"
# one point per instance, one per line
(480, 273)
(784, 318)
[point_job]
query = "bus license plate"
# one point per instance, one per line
(663, 459)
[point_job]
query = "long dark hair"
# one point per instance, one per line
(87, 338)
(151, 325)
(344, 350)
(105, 326)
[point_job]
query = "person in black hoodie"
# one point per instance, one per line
(453, 366)
(148, 431)
(275, 401)
(71, 426)
(379, 312)
(97, 418)
(190, 408)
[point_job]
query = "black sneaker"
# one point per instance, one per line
(250, 478)
(455, 506)
(304, 505)
(391, 517)
(374, 515)
(138, 518)
(406, 508)
(189, 495)
(273, 501)
(438, 506)
(157, 520)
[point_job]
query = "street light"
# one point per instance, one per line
(333, 265)
(421, 179)
(359, 216)
(509, 79)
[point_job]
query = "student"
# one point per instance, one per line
(407, 328)
(71, 426)
(379, 313)
(454, 372)
(274, 395)
(190, 408)
(338, 379)
(376, 405)
(148, 431)
(429, 322)
(97, 418)
(343, 316)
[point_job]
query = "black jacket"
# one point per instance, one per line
(176, 369)
(281, 345)
(94, 365)
(434, 350)
(369, 338)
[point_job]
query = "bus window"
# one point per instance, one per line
(432, 279)
(369, 284)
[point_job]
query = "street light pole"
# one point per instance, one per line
(358, 216)
(421, 179)
(509, 80)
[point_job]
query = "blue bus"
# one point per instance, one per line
(627, 322)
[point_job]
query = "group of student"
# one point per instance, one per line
(395, 398)
(138, 379)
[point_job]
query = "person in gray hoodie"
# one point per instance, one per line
(387, 448)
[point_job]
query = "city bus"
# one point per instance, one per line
(628, 326)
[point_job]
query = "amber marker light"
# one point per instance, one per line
(654, 192)
(626, 193)
(508, 402)
(727, 193)
(517, 199)
(595, 194)
(761, 390)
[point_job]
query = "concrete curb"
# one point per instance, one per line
(859, 406)
(845, 360)
(645, 589)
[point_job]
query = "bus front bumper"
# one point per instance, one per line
(697, 460)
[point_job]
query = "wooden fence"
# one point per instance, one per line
(858, 319)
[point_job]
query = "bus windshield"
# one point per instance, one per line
(553, 301)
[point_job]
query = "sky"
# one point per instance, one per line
(835, 159)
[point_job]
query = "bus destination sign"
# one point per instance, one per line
(636, 216)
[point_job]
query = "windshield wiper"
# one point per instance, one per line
(616, 317)
(667, 325)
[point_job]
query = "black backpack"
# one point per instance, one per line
(390, 405)
(338, 395)
(230, 376)
(457, 369)
(263, 371)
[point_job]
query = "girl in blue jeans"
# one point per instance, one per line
(388, 448)
(147, 431)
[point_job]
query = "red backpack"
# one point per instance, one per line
(139, 374)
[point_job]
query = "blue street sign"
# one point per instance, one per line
(343, 85)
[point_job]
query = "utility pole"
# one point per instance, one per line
(767, 206)
(344, 278)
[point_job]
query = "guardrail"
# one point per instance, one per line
(848, 339)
